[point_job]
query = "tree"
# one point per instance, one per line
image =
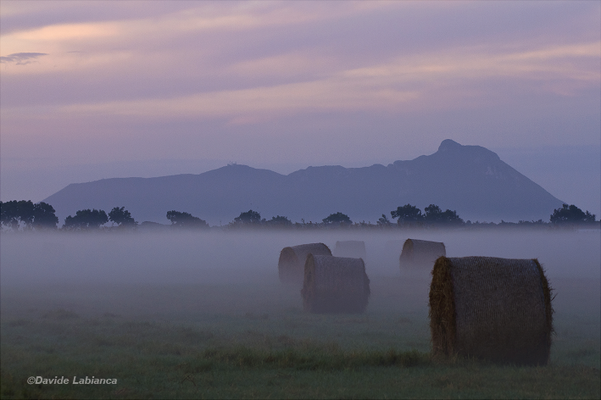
(407, 215)
(571, 215)
(86, 219)
(44, 216)
(383, 221)
(279, 221)
(185, 220)
(40, 215)
(25, 212)
(121, 217)
(451, 218)
(9, 214)
(338, 218)
(434, 215)
(248, 218)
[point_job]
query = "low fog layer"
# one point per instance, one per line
(216, 280)
(252, 256)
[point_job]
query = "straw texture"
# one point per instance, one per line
(335, 285)
(492, 308)
(291, 264)
(420, 253)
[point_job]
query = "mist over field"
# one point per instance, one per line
(249, 258)
(176, 314)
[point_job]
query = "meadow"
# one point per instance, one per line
(203, 315)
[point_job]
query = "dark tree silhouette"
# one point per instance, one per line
(249, 217)
(121, 217)
(185, 220)
(9, 214)
(434, 215)
(25, 212)
(40, 215)
(44, 216)
(383, 221)
(407, 214)
(338, 218)
(451, 218)
(86, 219)
(279, 221)
(571, 215)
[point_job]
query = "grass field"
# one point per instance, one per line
(204, 316)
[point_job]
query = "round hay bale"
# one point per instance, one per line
(491, 308)
(420, 253)
(291, 265)
(335, 285)
(350, 248)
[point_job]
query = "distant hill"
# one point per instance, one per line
(469, 179)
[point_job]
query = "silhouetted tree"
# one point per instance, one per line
(25, 212)
(9, 214)
(571, 215)
(338, 218)
(450, 217)
(121, 217)
(248, 218)
(383, 221)
(44, 216)
(40, 215)
(279, 221)
(185, 220)
(434, 215)
(86, 219)
(407, 215)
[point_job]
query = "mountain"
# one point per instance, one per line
(468, 179)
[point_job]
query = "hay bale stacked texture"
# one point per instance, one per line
(335, 285)
(350, 248)
(291, 265)
(491, 308)
(421, 253)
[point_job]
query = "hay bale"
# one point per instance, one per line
(350, 248)
(420, 253)
(335, 285)
(291, 265)
(492, 308)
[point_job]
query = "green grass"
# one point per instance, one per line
(232, 341)
(273, 367)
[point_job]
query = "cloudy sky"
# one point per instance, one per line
(101, 89)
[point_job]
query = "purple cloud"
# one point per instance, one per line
(21, 58)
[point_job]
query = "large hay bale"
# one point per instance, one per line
(420, 253)
(335, 285)
(492, 308)
(291, 265)
(350, 248)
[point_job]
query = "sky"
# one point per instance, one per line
(102, 89)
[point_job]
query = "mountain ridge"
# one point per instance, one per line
(471, 180)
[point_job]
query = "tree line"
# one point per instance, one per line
(42, 216)
(26, 215)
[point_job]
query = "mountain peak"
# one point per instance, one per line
(450, 148)
(448, 144)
